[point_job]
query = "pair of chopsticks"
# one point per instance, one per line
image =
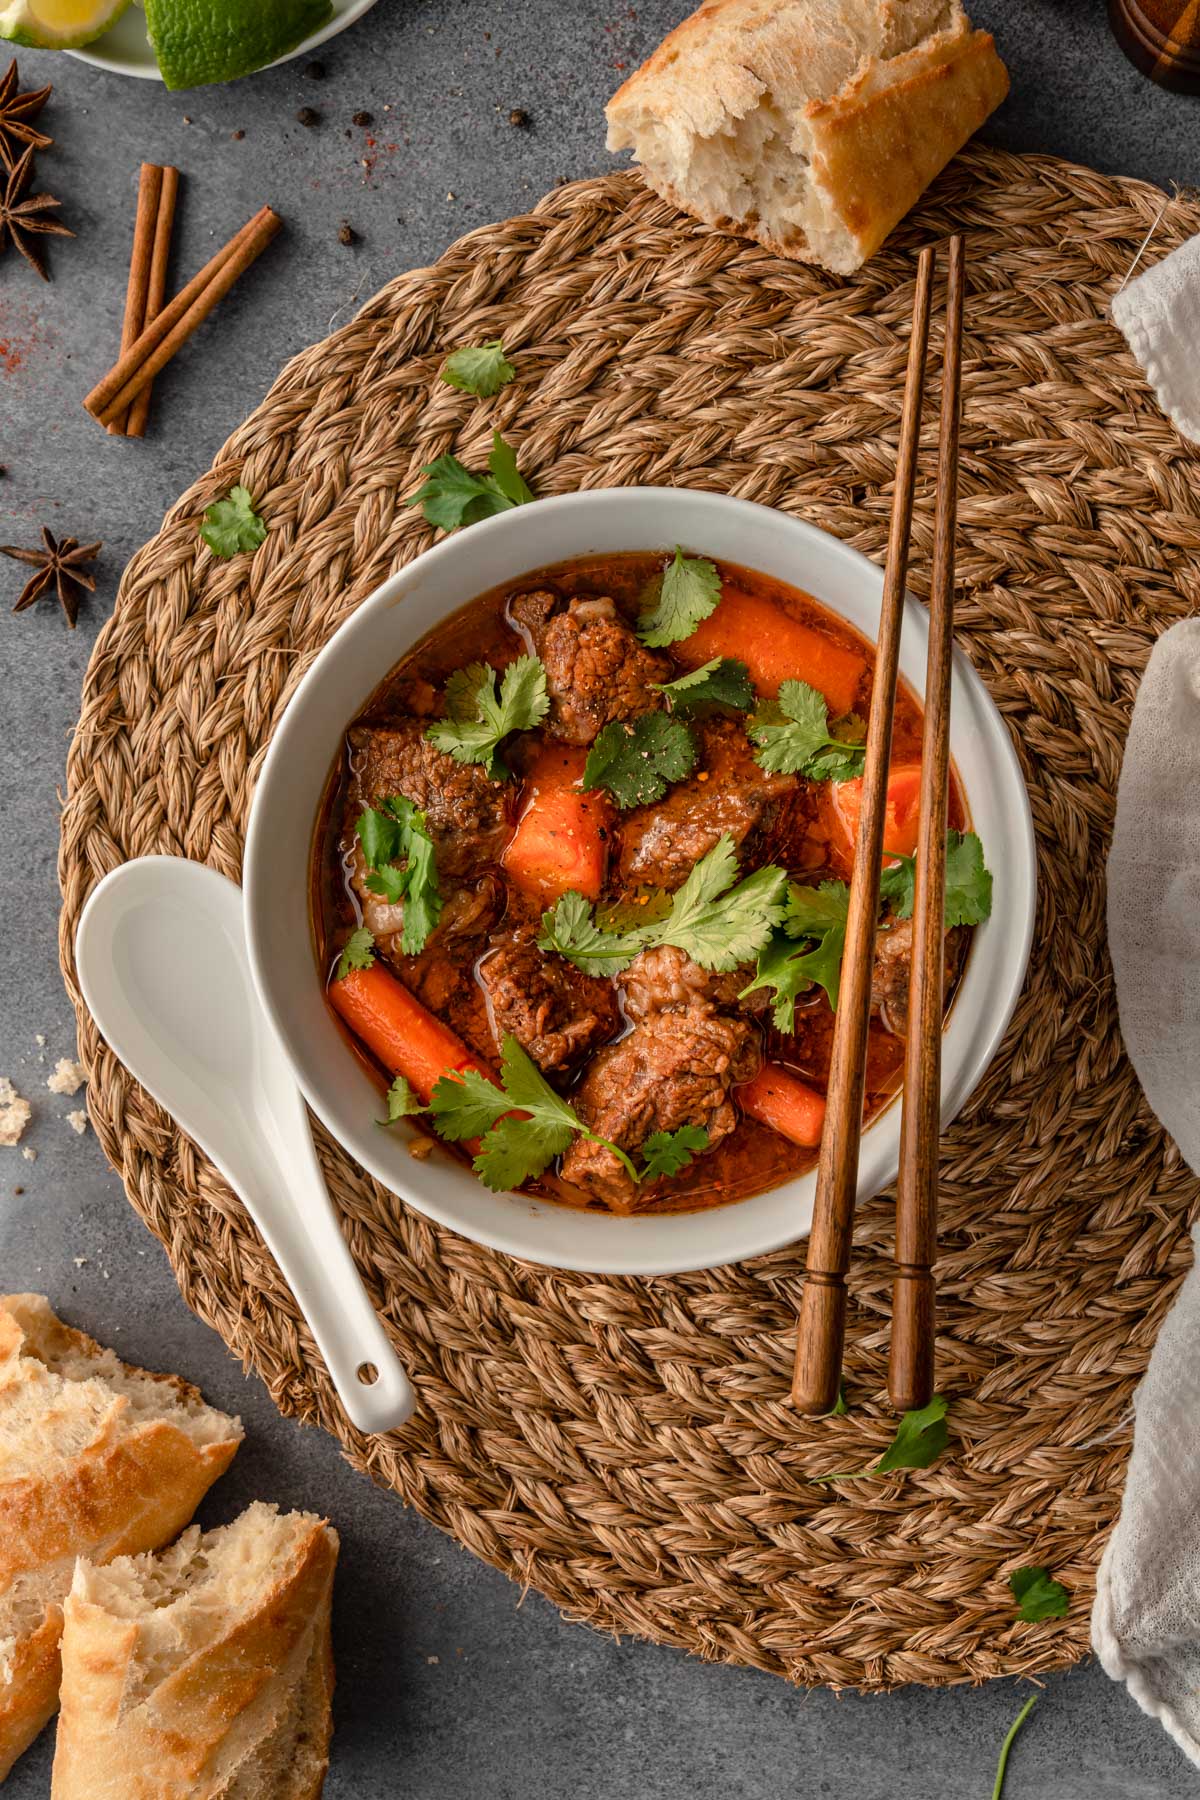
(821, 1330)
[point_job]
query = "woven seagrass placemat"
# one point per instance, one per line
(626, 1446)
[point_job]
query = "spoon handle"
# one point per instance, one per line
(301, 1230)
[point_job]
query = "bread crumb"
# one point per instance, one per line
(15, 1113)
(68, 1077)
(420, 1148)
(77, 1121)
(433, 1659)
(40, 1039)
(29, 1153)
(79, 1261)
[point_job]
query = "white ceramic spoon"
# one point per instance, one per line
(161, 955)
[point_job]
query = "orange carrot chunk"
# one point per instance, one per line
(775, 648)
(900, 814)
(405, 1037)
(561, 840)
(788, 1105)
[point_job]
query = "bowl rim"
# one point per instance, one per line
(507, 1232)
(150, 71)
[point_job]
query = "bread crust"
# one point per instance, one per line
(265, 1670)
(851, 107)
(132, 1487)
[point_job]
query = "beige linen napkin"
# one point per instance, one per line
(1159, 314)
(1146, 1619)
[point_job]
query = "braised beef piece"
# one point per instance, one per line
(667, 977)
(893, 966)
(467, 915)
(675, 1069)
(596, 670)
(557, 1014)
(465, 811)
(727, 792)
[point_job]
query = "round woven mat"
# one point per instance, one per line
(626, 1446)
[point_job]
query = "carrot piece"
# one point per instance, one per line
(404, 1035)
(561, 840)
(788, 1105)
(775, 648)
(900, 813)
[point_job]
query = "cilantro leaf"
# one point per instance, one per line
(722, 682)
(479, 369)
(517, 1145)
(816, 915)
(464, 1103)
(1006, 1746)
(675, 602)
(968, 882)
(920, 1438)
(1038, 1595)
(402, 1103)
(794, 737)
(669, 1152)
(645, 906)
(357, 953)
(839, 1409)
(636, 761)
(399, 833)
(478, 718)
(570, 929)
(232, 525)
(717, 924)
(451, 496)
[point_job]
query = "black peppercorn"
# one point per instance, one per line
(308, 117)
(362, 118)
(518, 116)
(315, 71)
(347, 234)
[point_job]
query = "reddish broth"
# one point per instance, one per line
(808, 843)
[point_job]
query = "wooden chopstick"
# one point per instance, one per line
(821, 1328)
(911, 1363)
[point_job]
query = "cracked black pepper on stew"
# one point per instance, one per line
(579, 881)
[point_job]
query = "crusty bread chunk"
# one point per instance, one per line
(96, 1459)
(202, 1673)
(810, 125)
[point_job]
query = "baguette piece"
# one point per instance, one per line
(202, 1673)
(810, 125)
(96, 1458)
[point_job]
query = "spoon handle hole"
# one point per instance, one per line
(367, 1373)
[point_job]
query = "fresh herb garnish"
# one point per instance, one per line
(232, 525)
(399, 834)
(1038, 1595)
(839, 1409)
(716, 923)
(636, 761)
(520, 1145)
(722, 682)
(668, 1152)
(675, 602)
(451, 496)
(808, 949)
(645, 906)
(479, 369)
(968, 882)
(478, 717)
(920, 1438)
(358, 953)
(402, 1102)
(794, 737)
(1006, 1746)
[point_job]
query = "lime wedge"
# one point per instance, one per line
(198, 41)
(57, 24)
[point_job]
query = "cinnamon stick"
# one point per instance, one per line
(157, 344)
(139, 412)
(144, 227)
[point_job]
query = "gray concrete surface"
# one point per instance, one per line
(449, 1685)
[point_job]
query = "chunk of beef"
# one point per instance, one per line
(675, 1069)
(727, 792)
(553, 1011)
(468, 914)
(596, 671)
(465, 811)
(893, 966)
(668, 978)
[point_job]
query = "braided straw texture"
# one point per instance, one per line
(626, 1446)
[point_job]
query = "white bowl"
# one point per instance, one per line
(309, 737)
(125, 48)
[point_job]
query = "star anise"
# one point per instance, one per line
(22, 215)
(58, 565)
(17, 112)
